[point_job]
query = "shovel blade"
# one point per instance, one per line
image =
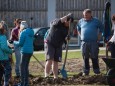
(63, 73)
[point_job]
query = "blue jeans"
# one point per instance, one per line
(90, 50)
(25, 59)
(1, 73)
(7, 71)
(18, 58)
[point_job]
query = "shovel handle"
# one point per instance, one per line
(67, 45)
(66, 54)
(39, 61)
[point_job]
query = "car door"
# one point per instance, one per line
(39, 38)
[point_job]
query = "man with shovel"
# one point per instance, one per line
(53, 43)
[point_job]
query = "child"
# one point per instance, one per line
(26, 44)
(4, 55)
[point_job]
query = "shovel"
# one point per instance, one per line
(43, 65)
(39, 62)
(63, 71)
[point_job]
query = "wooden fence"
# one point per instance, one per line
(25, 9)
(77, 7)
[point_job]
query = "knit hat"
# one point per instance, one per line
(2, 28)
(23, 25)
(4, 25)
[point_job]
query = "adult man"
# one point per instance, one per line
(14, 37)
(53, 43)
(90, 30)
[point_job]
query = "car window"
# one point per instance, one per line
(35, 30)
(41, 32)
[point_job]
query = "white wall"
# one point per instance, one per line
(51, 14)
(112, 7)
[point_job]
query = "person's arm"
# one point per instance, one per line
(113, 29)
(79, 33)
(63, 19)
(58, 22)
(55, 22)
(99, 36)
(11, 36)
(4, 45)
(101, 28)
(79, 28)
(67, 17)
(21, 40)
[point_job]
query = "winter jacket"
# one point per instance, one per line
(26, 41)
(4, 49)
(57, 33)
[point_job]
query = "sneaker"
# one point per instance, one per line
(96, 71)
(85, 74)
(17, 77)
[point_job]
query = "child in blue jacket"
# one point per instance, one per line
(5, 51)
(26, 44)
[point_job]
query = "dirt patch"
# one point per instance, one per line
(72, 65)
(76, 78)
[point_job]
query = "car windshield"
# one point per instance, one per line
(35, 30)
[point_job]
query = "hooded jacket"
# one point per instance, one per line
(26, 41)
(4, 49)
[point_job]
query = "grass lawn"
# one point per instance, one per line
(73, 54)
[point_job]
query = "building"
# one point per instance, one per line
(112, 7)
(39, 13)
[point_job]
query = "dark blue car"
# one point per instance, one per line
(39, 37)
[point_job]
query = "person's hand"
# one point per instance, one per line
(13, 50)
(64, 46)
(10, 41)
(68, 37)
(108, 44)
